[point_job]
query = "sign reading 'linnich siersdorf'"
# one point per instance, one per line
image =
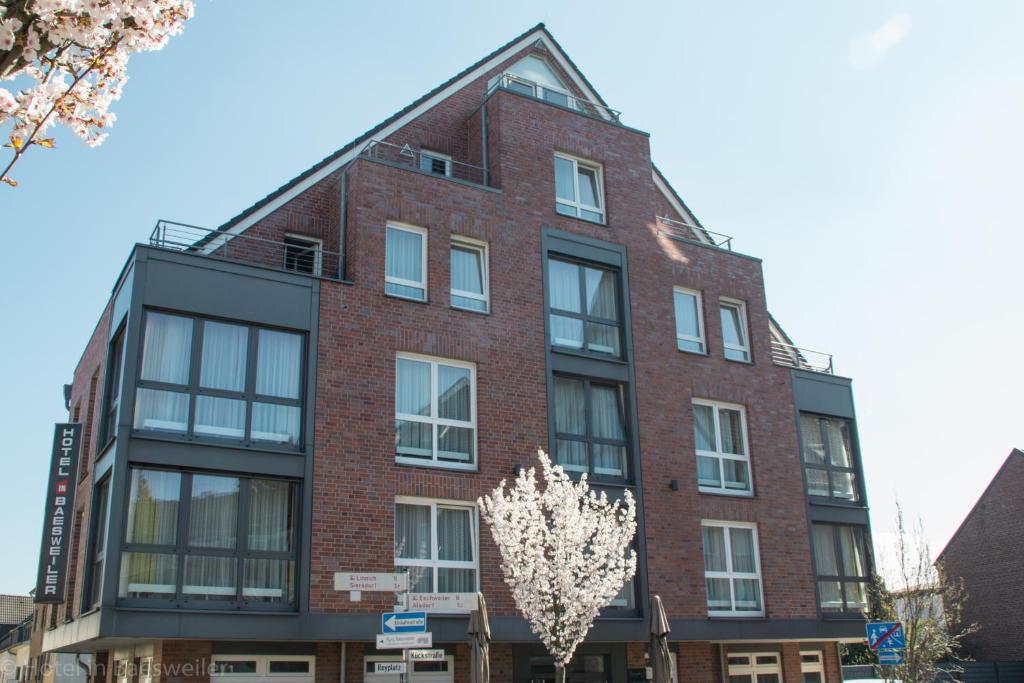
(60, 505)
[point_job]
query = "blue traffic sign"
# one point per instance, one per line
(403, 622)
(886, 635)
(890, 657)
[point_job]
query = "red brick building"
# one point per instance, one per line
(985, 554)
(329, 381)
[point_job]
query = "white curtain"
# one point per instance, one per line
(213, 516)
(467, 274)
(270, 515)
(404, 257)
(455, 543)
(564, 285)
(686, 314)
(704, 428)
(167, 348)
(714, 549)
(850, 543)
(588, 187)
(276, 423)
(279, 364)
(570, 418)
(565, 185)
(810, 434)
(732, 431)
(212, 578)
(224, 356)
(412, 532)
(224, 417)
(269, 580)
(148, 575)
(158, 410)
(453, 392)
(412, 387)
(153, 507)
(825, 551)
(606, 416)
(838, 432)
(742, 544)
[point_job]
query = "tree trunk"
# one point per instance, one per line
(559, 673)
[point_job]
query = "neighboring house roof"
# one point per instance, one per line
(1016, 457)
(14, 608)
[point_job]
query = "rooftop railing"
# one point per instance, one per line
(304, 255)
(425, 161)
(557, 96)
(694, 233)
(802, 359)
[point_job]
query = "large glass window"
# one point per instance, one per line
(689, 320)
(723, 460)
(436, 543)
(215, 380)
(435, 412)
(732, 571)
(469, 274)
(759, 667)
(198, 539)
(841, 567)
(734, 330)
(578, 188)
(405, 262)
(584, 303)
(590, 427)
(98, 556)
(115, 363)
(828, 457)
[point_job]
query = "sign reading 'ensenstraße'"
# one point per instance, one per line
(60, 503)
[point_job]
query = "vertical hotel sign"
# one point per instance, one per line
(60, 505)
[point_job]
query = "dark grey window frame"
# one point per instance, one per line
(113, 392)
(842, 578)
(99, 527)
(194, 388)
(588, 439)
(181, 548)
(581, 264)
(827, 466)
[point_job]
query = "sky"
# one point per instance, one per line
(869, 152)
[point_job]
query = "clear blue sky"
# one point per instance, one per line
(879, 178)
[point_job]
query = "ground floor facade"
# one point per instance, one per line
(196, 661)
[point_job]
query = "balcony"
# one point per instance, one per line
(802, 359)
(693, 233)
(432, 163)
(303, 255)
(558, 97)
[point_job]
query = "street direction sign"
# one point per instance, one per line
(442, 602)
(389, 668)
(426, 655)
(402, 641)
(890, 657)
(403, 622)
(885, 635)
(370, 581)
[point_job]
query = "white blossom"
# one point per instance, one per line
(72, 56)
(565, 551)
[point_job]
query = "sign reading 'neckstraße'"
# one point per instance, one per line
(60, 503)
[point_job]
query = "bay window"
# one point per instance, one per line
(723, 460)
(590, 426)
(435, 412)
(206, 540)
(841, 567)
(405, 262)
(578, 188)
(732, 569)
(223, 381)
(436, 543)
(584, 304)
(828, 457)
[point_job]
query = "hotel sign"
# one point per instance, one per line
(60, 505)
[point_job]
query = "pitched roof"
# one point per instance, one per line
(1016, 456)
(14, 608)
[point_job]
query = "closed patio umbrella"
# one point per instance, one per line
(661, 662)
(479, 642)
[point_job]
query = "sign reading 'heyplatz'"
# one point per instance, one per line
(60, 506)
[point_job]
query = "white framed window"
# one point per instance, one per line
(405, 262)
(723, 455)
(469, 273)
(812, 668)
(732, 569)
(263, 668)
(422, 672)
(303, 254)
(436, 543)
(735, 340)
(435, 162)
(435, 412)
(579, 188)
(689, 320)
(755, 667)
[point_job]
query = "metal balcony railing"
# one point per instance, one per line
(694, 233)
(557, 96)
(802, 359)
(304, 255)
(425, 161)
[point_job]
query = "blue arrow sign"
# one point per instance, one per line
(403, 622)
(886, 635)
(890, 657)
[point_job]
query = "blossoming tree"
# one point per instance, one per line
(565, 552)
(69, 58)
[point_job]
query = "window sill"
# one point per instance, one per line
(602, 223)
(725, 493)
(702, 354)
(738, 361)
(435, 465)
(836, 503)
(135, 434)
(470, 310)
(406, 298)
(737, 617)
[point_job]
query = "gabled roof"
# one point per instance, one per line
(14, 608)
(1016, 457)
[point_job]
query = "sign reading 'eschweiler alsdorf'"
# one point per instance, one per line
(60, 504)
